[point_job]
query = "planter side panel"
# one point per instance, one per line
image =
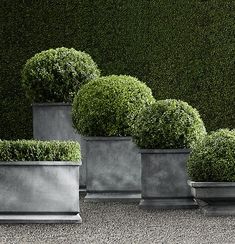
(39, 189)
(164, 176)
(216, 194)
(113, 166)
(55, 123)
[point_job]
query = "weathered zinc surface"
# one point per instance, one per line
(164, 179)
(53, 121)
(215, 198)
(113, 166)
(41, 190)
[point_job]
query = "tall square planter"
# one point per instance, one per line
(164, 179)
(113, 169)
(39, 192)
(53, 121)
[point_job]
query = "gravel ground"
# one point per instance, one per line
(126, 223)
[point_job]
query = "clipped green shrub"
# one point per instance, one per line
(55, 75)
(213, 159)
(168, 124)
(108, 105)
(30, 150)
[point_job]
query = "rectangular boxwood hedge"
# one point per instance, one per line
(31, 150)
(183, 49)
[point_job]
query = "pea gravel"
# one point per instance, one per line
(126, 223)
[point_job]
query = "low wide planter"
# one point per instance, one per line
(164, 179)
(113, 169)
(39, 192)
(53, 121)
(214, 198)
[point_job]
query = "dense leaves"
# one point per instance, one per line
(56, 75)
(213, 159)
(168, 124)
(108, 105)
(29, 150)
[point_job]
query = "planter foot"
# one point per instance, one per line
(107, 197)
(82, 189)
(179, 203)
(39, 219)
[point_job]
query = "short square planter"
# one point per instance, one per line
(215, 198)
(164, 179)
(39, 192)
(53, 121)
(113, 169)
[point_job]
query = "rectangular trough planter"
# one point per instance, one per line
(39, 192)
(113, 169)
(215, 198)
(53, 121)
(164, 179)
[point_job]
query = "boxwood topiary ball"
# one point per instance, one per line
(108, 105)
(55, 75)
(168, 124)
(213, 159)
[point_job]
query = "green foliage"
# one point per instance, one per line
(56, 75)
(182, 49)
(168, 124)
(30, 150)
(108, 105)
(213, 159)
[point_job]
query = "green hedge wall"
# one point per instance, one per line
(183, 50)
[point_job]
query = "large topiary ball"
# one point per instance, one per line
(168, 124)
(108, 105)
(213, 159)
(55, 75)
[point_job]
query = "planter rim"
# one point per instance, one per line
(165, 151)
(198, 184)
(40, 163)
(107, 138)
(47, 104)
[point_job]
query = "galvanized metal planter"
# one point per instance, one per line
(164, 179)
(215, 198)
(39, 192)
(53, 121)
(113, 169)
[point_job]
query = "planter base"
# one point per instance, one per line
(179, 203)
(102, 197)
(219, 210)
(39, 219)
(214, 198)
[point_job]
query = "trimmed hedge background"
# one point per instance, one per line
(183, 50)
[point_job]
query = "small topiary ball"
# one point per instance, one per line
(55, 75)
(213, 159)
(108, 105)
(168, 124)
